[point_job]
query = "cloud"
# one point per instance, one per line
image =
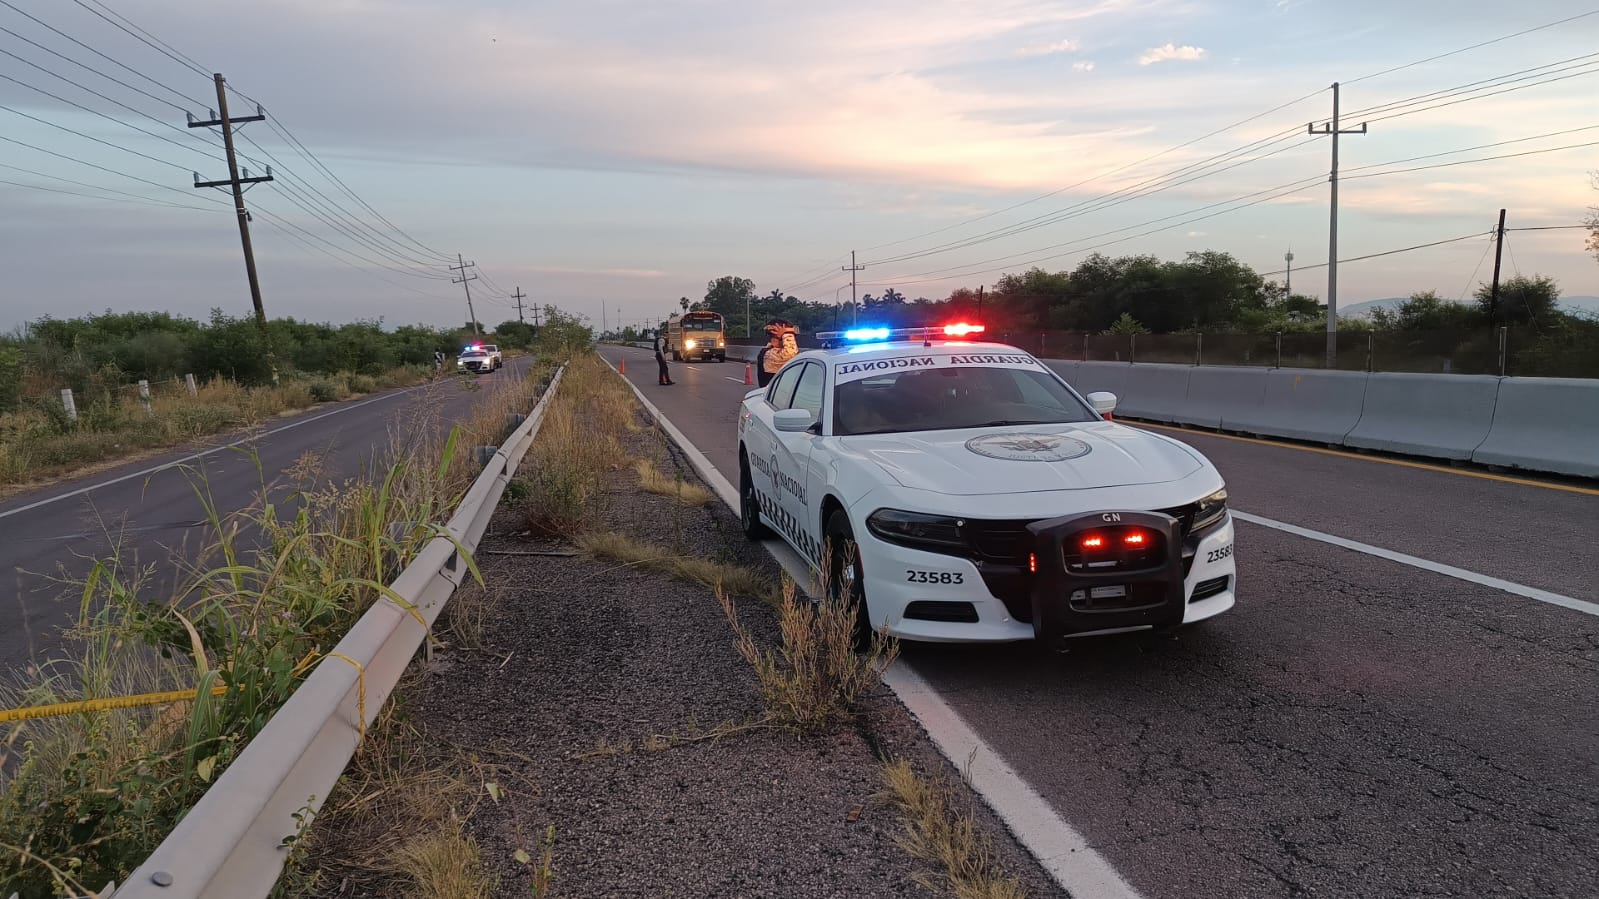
(1196, 234)
(1063, 46)
(1087, 66)
(1184, 53)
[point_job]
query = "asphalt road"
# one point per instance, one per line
(149, 510)
(1354, 727)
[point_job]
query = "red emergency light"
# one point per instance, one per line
(961, 329)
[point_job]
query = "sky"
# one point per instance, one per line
(609, 157)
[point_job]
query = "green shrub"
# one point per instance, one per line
(360, 383)
(322, 390)
(10, 379)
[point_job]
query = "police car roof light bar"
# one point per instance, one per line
(879, 335)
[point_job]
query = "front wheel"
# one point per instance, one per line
(749, 506)
(846, 579)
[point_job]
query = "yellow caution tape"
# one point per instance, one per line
(56, 710)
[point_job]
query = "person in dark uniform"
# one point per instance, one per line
(665, 377)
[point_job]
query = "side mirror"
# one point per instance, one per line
(1103, 403)
(792, 420)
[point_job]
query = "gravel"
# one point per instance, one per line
(584, 661)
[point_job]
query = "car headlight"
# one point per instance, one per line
(688, 344)
(936, 533)
(1210, 510)
(721, 343)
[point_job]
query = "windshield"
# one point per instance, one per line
(948, 398)
(701, 324)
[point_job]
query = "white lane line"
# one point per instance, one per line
(1059, 847)
(1554, 599)
(215, 449)
(734, 380)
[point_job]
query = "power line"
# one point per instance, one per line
(1237, 124)
(1109, 172)
(1477, 46)
(136, 197)
(107, 58)
(146, 201)
(83, 65)
(102, 168)
(1420, 246)
(97, 140)
(1445, 165)
(144, 37)
(303, 242)
(95, 112)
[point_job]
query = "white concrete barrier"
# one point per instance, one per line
(1544, 424)
(1155, 392)
(1303, 404)
(1066, 368)
(1219, 395)
(1111, 377)
(1443, 416)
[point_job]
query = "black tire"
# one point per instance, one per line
(749, 505)
(846, 580)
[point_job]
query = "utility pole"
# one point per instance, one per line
(1334, 130)
(1288, 283)
(462, 267)
(1499, 251)
(239, 185)
(519, 296)
(852, 269)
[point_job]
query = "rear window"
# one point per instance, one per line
(947, 398)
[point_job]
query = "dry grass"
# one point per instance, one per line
(399, 814)
(653, 481)
(37, 441)
(719, 576)
(573, 462)
(950, 839)
(815, 679)
(444, 863)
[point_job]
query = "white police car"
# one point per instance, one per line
(962, 491)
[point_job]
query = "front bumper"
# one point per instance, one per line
(934, 597)
(478, 365)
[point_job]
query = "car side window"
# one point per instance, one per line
(782, 389)
(808, 392)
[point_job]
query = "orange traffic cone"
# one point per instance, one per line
(749, 376)
(621, 367)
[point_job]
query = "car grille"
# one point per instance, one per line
(1206, 589)
(940, 610)
(1000, 548)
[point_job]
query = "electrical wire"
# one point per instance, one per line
(1476, 46)
(83, 65)
(145, 201)
(143, 36)
(95, 112)
(102, 168)
(1445, 165)
(107, 58)
(1484, 258)
(1420, 246)
(97, 140)
(136, 197)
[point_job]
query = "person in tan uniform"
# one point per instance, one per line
(782, 345)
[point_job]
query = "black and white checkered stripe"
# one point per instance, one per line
(791, 527)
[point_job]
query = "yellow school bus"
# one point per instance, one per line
(696, 335)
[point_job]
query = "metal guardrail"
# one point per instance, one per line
(234, 843)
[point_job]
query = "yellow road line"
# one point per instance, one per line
(1403, 463)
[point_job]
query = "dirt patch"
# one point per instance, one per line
(616, 697)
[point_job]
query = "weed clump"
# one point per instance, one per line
(815, 679)
(946, 837)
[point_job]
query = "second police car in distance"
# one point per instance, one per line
(963, 491)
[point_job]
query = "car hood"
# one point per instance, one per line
(1026, 458)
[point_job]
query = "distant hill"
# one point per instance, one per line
(1582, 304)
